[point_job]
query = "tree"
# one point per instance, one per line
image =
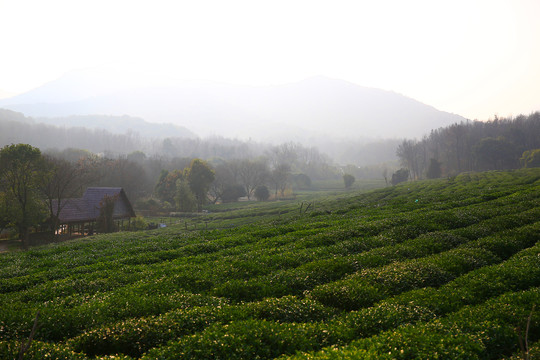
(185, 199)
(165, 189)
(127, 174)
(385, 175)
(105, 221)
(407, 153)
(530, 158)
(65, 180)
(137, 156)
(400, 176)
(434, 170)
(496, 154)
(199, 176)
(5, 213)
(21, 171)
(262, 193)
(279, 177)
(232, 193)
(348, 179)
(252, 173)
(224, 180)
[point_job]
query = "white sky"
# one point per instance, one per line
(473, 58)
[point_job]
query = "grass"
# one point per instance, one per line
(447, 267)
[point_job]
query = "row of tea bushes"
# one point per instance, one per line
(519, 273)
(486, 331)
(136, 336)
(371, 285)
(214, 338)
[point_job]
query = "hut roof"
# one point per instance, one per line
(87, 208)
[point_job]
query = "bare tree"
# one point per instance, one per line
(252, 173)
(407, 153)
(65, 180)
(279, 177)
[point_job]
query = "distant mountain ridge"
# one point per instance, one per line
(120, 125)
(317, 107)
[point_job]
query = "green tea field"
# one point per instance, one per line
(437, 269)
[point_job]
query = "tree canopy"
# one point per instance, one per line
(199, 176)
(22, 170)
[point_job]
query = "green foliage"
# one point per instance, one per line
(262, 193)
(232, 193)
(348, 179)
(199, 176)
(530, 158)
(184, 198)
(249, 339)
(473, 146)
(22, 170)
(165, 189)
(496, 153)
(139, 223)
(400, 176)
(40, 350)
(446, 267)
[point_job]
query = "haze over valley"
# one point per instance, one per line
(304, 111)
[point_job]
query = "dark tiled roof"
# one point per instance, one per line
(87, 207)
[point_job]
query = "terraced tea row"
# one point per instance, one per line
(411, 266)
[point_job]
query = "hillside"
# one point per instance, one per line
(447, 268)
(308, 110)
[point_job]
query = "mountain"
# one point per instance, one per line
(315, 108)
(120, 125)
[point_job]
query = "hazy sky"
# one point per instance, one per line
(473, 58)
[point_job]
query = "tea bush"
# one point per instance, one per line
(446, 268)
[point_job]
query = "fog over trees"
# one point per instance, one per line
(498, 144)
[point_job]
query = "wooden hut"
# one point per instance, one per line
(79, 216)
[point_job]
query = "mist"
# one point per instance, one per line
(347, 123)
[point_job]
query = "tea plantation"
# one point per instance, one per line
(439, 269)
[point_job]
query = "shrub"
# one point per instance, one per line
(139, 223)
(38, 351)
(400, 176)
(249, 339)
(289, 309)
(348, 179)
(262, 193)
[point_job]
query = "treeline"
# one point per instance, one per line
(16, 128)
(499, 144)
(32, 181)
(139, 173)
(114, 136)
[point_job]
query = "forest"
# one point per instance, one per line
(497, 144)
